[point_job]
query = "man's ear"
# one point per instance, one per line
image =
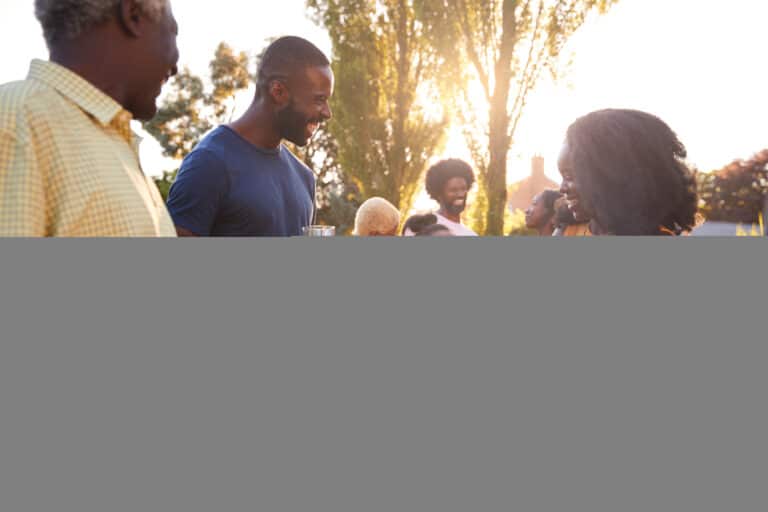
(131, 17)
(279, 92)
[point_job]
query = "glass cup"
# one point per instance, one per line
(318, 231)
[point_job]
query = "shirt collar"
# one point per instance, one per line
(78, 90)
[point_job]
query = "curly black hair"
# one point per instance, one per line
(630, 167)
(439, 174)
(418, 223)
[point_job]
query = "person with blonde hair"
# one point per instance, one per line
(377, 217)
(69, 162)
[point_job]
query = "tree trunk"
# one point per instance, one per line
(397, 163)
(498, 144)
(496, 185)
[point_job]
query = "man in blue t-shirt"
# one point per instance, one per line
(241, 180)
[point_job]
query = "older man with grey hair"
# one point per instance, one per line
(69, 162)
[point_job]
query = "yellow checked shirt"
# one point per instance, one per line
(69, 164)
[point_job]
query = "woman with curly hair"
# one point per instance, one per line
(624, 173)
(541, 214)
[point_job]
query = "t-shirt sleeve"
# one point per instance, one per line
(198, 192)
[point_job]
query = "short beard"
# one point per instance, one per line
(292, 125)
(455, 210)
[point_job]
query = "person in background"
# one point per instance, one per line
(425, 225)
(69, 162)
(416, 223)
(624, 173)
(241, 180)
(377, 217)
(435, 230)
(448, 182)
(541, 214)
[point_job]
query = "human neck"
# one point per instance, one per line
(453, 217)
(91, 61)
(257, 126)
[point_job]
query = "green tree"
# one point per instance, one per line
(337, 199)
(736, 193)
(190, 110)
(386, 123)
(504, 46)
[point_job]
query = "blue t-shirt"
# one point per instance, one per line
(229, 187)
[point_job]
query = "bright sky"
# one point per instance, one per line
(698, 64)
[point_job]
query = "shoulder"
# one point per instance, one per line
(204, 168)
(216, 141)
(203, 160)
(296, 162)
(209, 153)
(22, 103)
(19, 93)
(301, 169)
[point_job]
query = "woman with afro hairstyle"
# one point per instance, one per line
(624, 173)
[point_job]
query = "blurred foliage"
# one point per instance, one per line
(756, 230)
(514, 224)
(736, 193)
(502, 48)
(387, 124)
(191, 110)
(337, 197)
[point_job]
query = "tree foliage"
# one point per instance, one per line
(388, 120)
(736, 193)
(191, 109)
(504, 47)
(337, 199)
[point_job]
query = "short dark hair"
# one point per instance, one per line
(417, 223)
(440, 173)
(284, 58)
(630, 166)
